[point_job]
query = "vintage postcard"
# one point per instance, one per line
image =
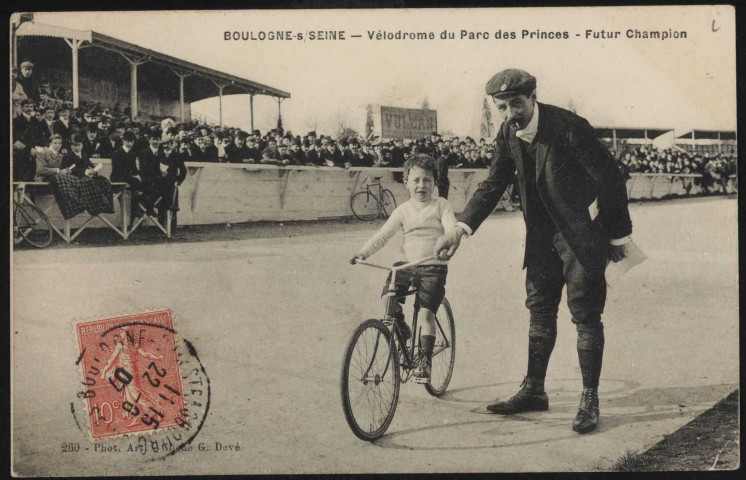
(198, 198)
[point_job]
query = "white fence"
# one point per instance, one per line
(214, 193)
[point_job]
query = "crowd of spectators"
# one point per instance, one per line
(714, 168)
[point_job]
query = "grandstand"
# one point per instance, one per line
(616, 138)
(708, 141)
(96, 68)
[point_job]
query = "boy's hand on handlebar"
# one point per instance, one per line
(358, 256)
(448, 243)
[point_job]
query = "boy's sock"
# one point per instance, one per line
(404, 329)
(427, 342)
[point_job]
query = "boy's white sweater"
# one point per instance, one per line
(421, 222)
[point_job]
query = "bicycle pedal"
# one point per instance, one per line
(422, 380)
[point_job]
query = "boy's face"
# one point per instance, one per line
(420, 184)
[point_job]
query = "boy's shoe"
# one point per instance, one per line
(423, 370)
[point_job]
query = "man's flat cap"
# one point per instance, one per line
(509, 83)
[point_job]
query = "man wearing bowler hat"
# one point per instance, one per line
(575, 209)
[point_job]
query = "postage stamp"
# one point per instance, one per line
(130, 370)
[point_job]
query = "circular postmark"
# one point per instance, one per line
(144, 389)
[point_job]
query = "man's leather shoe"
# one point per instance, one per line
(527, 399)
(587, 418)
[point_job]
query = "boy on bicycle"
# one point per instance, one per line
(422, 219)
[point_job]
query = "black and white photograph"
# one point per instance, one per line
(373, 241)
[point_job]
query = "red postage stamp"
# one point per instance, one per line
(130, 370)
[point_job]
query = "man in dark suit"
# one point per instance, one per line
(111, 143)
(149, 158)
(575, 209)
(24, 140)
(237, 151)
(124, 168)
(61, 126)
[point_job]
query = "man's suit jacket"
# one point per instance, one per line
(24, 130)
(149, 164)
(234, 154)
(123, 165)
(106, 149)
(63, 131)
(577, 180)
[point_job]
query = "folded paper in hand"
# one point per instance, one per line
(615, 270)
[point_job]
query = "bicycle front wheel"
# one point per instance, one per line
(365, 206)
(444, 351)
(32, 224)
(370, 380)
(388, 203)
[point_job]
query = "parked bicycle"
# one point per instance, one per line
(30, 224)
(370, 204)
(377, 361)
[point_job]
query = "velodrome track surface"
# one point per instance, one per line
(270, 319)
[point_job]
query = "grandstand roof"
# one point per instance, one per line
(606, 132)
(710, 134)
(198, 90)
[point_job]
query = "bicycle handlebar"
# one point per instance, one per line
(398, 267)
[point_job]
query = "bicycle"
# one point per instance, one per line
(377, 361)
(365, 205)
(30, 224)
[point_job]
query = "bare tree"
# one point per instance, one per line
(369, 121)
(425, 103)
(486, 126)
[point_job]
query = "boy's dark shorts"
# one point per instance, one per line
(429, 279)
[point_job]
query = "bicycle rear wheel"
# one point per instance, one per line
(444, 351)
(370, 380)
(32, 224)
(365, 206)
(388, 203)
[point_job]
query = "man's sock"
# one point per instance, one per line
(590, 352)
(542, 335)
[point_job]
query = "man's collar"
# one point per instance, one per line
(529, 133)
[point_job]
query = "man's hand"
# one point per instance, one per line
(447, 244)
(617, 252)
(358, 256)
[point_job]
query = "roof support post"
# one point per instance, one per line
(182, 76)
(220, 106)
(220, 86)
(134, 62)
(75, 45)
(279, 109)
(251, 109)
(133, 91)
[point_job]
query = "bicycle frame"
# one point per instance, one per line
(388, 320)
(375, 183)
